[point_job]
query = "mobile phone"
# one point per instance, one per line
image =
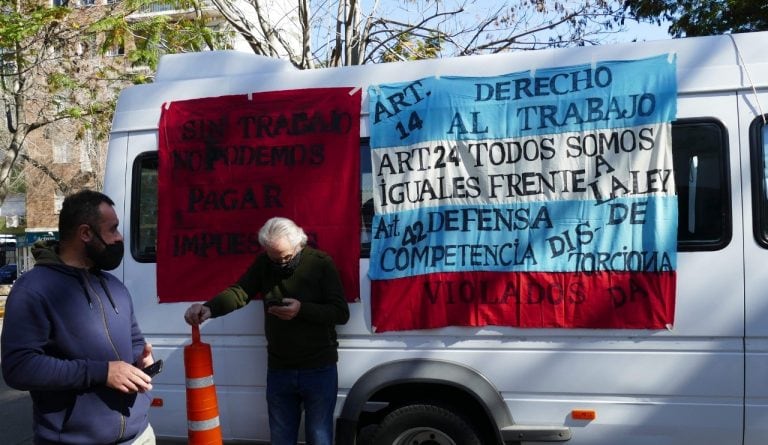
(154, 369)
(281, 303)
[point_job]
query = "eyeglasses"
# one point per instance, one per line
(281, 257)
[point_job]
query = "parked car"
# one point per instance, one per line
(8, 273)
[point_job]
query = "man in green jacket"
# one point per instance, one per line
(303, 302)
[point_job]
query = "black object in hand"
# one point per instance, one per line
(274, 302)
(154, 369)
(275, 297)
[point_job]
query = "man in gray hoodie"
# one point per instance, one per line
(70, 336)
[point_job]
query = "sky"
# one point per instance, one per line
(412, 10)
(644, 31)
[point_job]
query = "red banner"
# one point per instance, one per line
(227, 164)
(615, 300)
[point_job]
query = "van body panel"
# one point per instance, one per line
(752, 104)
(703, 380)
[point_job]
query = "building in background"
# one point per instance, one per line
(13, 216)
(77, 157)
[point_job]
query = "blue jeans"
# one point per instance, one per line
(288, 390)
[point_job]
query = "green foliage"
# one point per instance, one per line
(410, 47)
(154, 36)
(4, 229)
(26, 22)
(16, 183)
(60, 81)
(148, 41)
(703, 17)
(58, 64)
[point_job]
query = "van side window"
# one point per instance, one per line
(759, 152)
(700, 156)
(144, 208)
(366, 199)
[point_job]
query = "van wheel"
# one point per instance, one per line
(424, 425)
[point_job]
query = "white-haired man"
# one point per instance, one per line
(303, 302)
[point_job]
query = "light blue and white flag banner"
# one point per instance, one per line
(532, 199)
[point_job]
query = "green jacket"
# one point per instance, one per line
(309, 339)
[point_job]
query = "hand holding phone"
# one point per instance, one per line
(273, 302)
(154, 369)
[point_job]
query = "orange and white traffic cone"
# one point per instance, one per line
(203, 425)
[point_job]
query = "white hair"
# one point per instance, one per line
(277, 228)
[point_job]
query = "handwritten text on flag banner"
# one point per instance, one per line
(545, 176)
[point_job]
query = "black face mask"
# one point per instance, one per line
(289, 266)
(107, 258)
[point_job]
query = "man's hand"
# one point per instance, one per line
(196, 314)
(127, 378)
(146, 357)
(286, 312)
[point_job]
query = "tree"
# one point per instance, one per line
(53, 71)
(324, 33)
(702, 17)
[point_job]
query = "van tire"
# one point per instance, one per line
(417, 424)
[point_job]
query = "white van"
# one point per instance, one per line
(702, 381)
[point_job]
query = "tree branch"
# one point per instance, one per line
(60, 183)
(405, 29)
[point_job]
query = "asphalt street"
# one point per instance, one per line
(15, 414)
